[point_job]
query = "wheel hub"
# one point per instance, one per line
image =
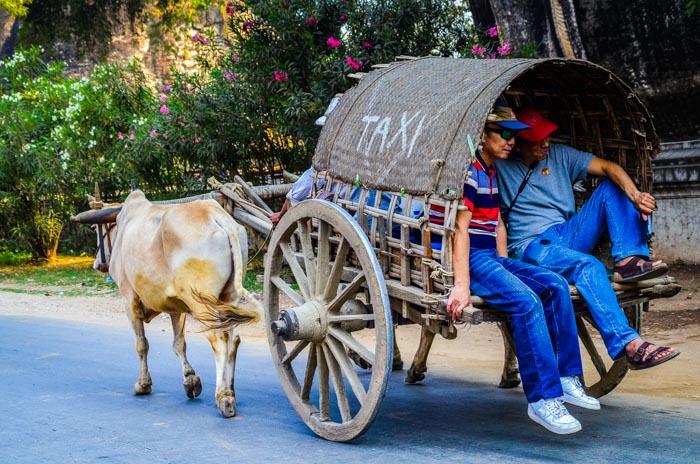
(305, 322)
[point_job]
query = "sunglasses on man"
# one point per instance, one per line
(506, 134)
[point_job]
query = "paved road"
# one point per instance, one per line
(65, 397)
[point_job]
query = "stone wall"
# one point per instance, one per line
(88, 33)
(677, 190)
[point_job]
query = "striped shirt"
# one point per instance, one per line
(481, 197)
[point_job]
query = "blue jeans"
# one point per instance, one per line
(564, 248)
(541, 319)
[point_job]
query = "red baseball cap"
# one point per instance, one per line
(539, 126)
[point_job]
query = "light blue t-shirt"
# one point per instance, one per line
(548, 197)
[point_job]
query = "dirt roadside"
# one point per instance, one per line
(478, 350)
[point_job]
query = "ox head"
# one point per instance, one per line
(104, 223)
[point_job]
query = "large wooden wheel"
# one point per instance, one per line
(608, 374)
(339, 305)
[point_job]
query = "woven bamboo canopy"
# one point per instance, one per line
(405, 126)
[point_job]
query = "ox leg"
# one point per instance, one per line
(397, 365)
(191, 381)
(225, 345)
(510, 378)
(143, 384)
(419, 366)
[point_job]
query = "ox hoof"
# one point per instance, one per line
(397, 365)
(414, 376)
(227, 406)
(193, 386)
(142, 388)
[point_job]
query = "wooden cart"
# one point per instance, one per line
(346, 265)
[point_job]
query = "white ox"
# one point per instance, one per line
(181, 259)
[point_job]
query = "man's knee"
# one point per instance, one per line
(525, 302)
(608, 188)
(592, 267)
(558, 285)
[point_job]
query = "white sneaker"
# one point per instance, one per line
(553, 415)
(576, 395)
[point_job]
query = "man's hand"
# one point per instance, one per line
(644, 202)
(460, 298)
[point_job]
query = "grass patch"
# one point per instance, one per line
(14, 258)
(67, 276)
(74, 276)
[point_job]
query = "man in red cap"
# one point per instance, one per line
(544, 228)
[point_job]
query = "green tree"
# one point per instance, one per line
(17, 8)
(58, 137)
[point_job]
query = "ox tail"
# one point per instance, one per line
(221, 315)
(244, 308)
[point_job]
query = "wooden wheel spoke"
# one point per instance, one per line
(284, 286)
(323, 259)
(323, 389)
(338, 385)
(346, 366)
(298, 348)
(337, 270)
(309, 374)
(347, 293)
(298, 272)
(590, 347)
(307, 250)
(346, 339)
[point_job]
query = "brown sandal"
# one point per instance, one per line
(643, 360)
(632, 271)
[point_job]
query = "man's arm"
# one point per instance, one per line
(643, 201)
(460, 296)
(501, 238)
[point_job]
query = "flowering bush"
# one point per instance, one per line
(490, 45)
(58, 138)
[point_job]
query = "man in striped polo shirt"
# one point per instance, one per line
(537, 301)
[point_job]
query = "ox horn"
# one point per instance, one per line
(97, 216)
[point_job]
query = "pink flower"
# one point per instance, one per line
(333, 42)
(366, 44)
(248, 26)
(235, 58)
(120, 136)
(197, 139)
(153, 133)
(164, 109)
(204, 41)
(167, 87)
(230, 9)
(229, 75)
(311, 21)
(355, 65)
(343, 18)
(196, 37)
(478, 50)
(163, 98)
(280, 76)
(504, 50)
(492, 31)
(132, 136)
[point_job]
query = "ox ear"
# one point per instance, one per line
(97, 216)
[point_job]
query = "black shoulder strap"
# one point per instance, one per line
(506, 212)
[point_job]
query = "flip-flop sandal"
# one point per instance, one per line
(643, 360)
(633, 272)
